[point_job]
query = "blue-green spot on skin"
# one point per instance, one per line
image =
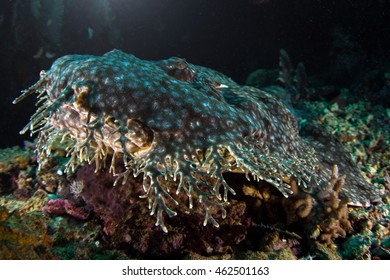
(172, 120)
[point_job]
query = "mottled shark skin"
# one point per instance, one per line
(172, 120)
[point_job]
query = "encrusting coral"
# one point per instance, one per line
(182, 127)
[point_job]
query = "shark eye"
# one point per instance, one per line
(179, 69)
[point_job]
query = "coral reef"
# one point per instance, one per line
(332, 215)
(64, 206)
(23, 237)
(46, 213)
(262, 78)
(261, 223)
(120, 107)
(126, 221)
(364, 130)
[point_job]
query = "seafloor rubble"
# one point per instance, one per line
(48, 214)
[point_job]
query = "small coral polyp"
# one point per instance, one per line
(171, 120)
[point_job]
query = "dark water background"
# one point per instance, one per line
(338, 40)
